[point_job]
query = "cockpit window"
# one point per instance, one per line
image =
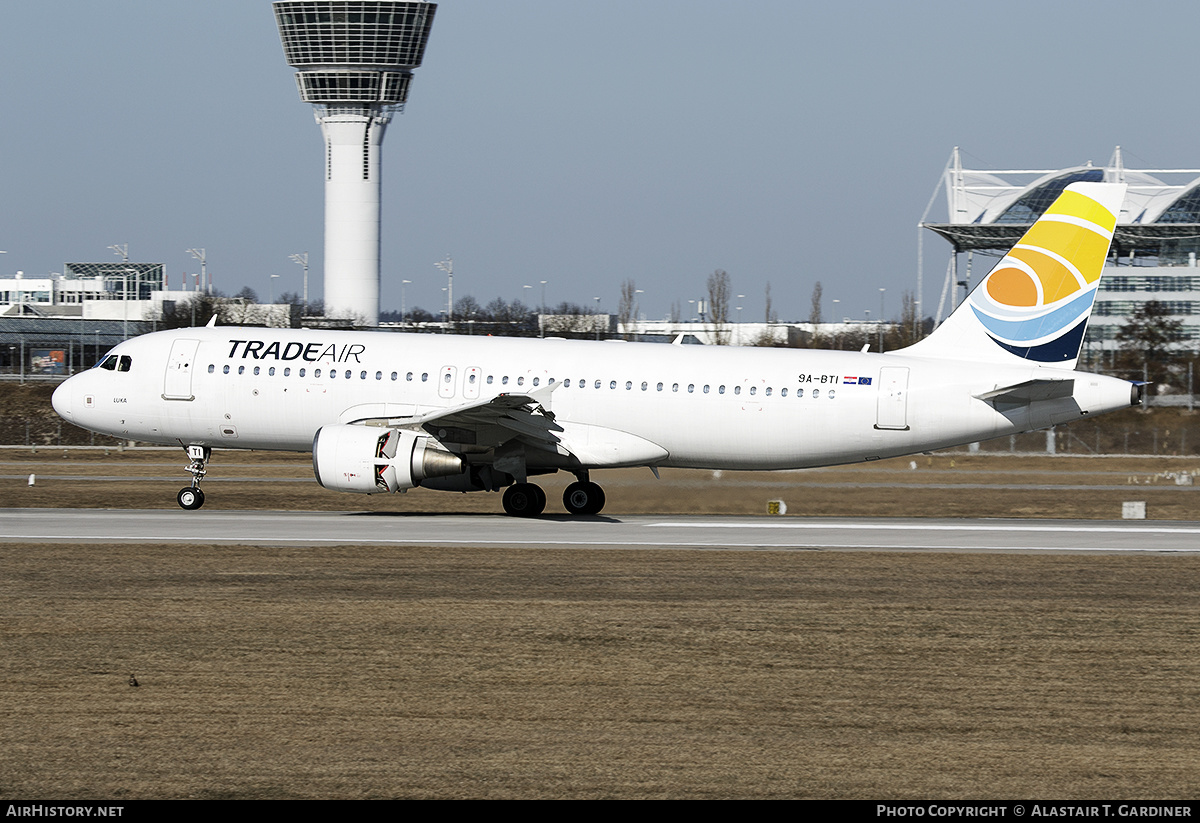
(116, 362)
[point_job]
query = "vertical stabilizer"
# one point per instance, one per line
(1035, 304)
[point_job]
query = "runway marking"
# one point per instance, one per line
(936, 527)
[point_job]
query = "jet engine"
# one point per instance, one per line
(369, 460)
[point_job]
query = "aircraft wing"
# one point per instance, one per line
(489, 423)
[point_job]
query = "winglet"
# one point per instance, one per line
(1035, 304)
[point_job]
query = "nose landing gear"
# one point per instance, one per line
(190, 497)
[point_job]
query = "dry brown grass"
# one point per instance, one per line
(411, 672)
(455, 672)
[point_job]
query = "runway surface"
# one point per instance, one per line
(642, 531)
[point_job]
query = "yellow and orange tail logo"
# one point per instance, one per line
(1036, 301)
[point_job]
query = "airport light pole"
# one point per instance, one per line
(447, 266)
(301, 258)
(542, 328)
(200, 255)
(880, 320)
(403, 310)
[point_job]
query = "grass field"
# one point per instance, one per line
(456, 672)
(412, 672)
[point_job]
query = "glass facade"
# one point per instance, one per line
(353, 86)
(1031, 206)
(354, 32)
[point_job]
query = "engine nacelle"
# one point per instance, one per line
(369, 460)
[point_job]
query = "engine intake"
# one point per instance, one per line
(369, 460)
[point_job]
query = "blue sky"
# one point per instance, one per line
(582, 144)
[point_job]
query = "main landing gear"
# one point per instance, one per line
(528, 499)
(190, 497)
(583, 497)
(524, 500)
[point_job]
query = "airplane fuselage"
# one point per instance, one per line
(619, 404)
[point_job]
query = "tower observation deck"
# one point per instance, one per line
(354, 62)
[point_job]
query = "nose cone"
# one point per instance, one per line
(61, 399)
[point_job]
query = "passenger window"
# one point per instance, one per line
(241, 369)
(316, 373)
(424, 376)
(536, 380)
(348, 374)
(816, 392)
(737, 389)
(520, 381)
(287, 372)
(333, 374)
(504, 380)
(257, 369)
(706, 388)
(567, 383)
(446, 377)
(754, 390)
(471, 380)
(211, 368)
(225, 370)
(783, 392)
(409, 377)
(644, 384)
(720, 389)
(271, 372)
(394, 376)
(799, 392)
(691, 387)
(674, 387)
(768, 391)
(660, 385)
(628, 385)
(829, 394)
(302, 373)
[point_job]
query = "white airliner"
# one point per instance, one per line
(386, 412)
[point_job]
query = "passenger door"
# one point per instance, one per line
(177, 384)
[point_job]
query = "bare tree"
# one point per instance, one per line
(908, 331)
(718, 306)
(767, 338)
(627, 308)
(814, 315)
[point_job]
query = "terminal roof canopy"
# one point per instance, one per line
(990, 210)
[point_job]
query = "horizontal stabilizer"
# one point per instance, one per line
(1031, 391)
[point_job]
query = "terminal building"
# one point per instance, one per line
(1153, 254)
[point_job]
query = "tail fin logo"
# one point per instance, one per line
(1036, 301)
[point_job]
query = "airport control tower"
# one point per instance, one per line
(354, 61)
